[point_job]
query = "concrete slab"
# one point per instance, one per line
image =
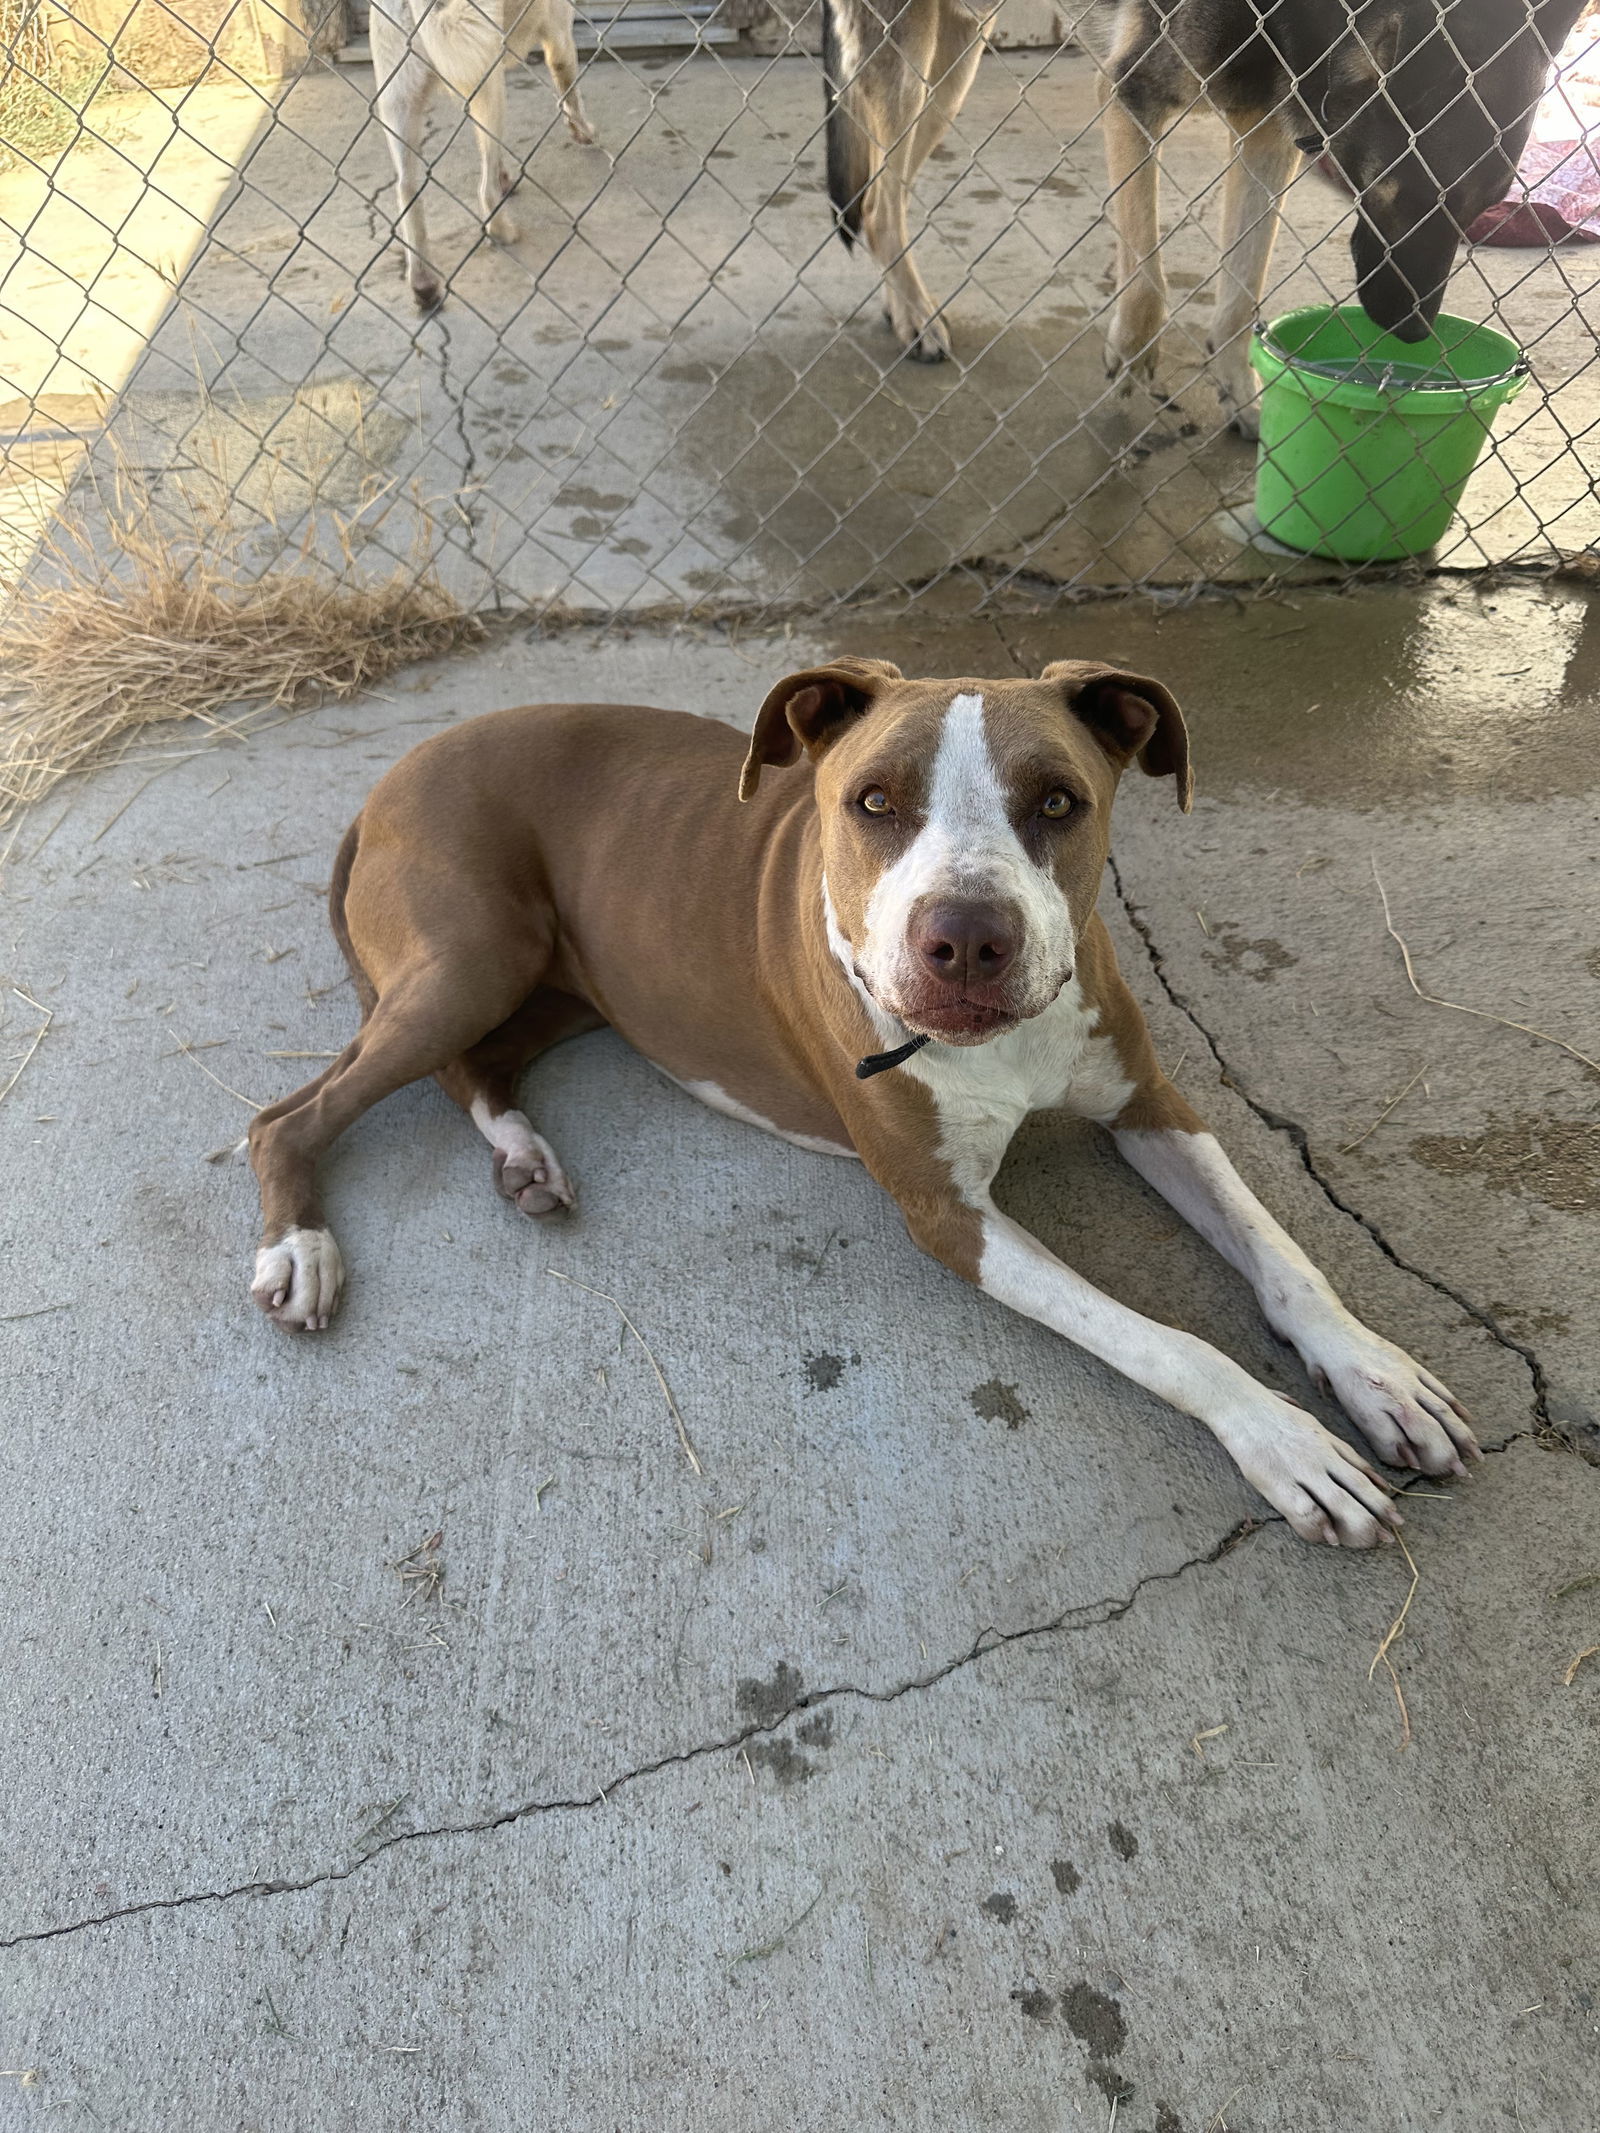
(1167, 1855)
(727, 1770)
(1452, 762)
(676, 391)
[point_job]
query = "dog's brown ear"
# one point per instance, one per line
(1129, 715)
(808, 710)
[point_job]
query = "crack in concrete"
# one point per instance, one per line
(1300, 1141)
(1088, 1614)
(466, 496)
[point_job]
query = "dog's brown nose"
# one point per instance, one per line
(965, 945)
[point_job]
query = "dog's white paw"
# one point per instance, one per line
(1325, 1490)
(525, 1167)
(299, 1279)
(579, 128)
(1402, 1410)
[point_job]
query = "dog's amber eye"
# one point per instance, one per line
(876, 801)
(1055, 804)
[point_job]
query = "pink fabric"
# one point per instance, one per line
(1557, 194)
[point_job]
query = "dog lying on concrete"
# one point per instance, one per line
(894, 955)
(1423, 107)
(416, 44)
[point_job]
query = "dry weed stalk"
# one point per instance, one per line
(155, 626)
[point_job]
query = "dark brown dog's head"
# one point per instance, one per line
(1425, 108)
(965, 824)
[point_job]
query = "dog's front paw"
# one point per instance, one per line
(1402, 1410)
(1133, 340)
(924, 336)
(299, 1279)
(1325, 1490)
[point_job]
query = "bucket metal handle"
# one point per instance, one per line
(1383, 381)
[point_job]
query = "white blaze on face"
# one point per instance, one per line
(967, 848)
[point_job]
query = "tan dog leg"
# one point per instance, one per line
(959, 40)
(1133, 200)
(1263, 162)
(561, 57)
(889, 55)
(425, 1018)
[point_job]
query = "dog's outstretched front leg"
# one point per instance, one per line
(1402, 1410)
(1325, 1490)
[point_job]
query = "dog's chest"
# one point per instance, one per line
(982, 1093)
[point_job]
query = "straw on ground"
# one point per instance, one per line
(1484, 1014)
(38, 1037)
(1393, 1634)
(98, 649)
(688, 1449)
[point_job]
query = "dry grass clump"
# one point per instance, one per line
(39, 89)
(93, 653)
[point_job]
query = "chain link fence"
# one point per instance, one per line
(669, 388)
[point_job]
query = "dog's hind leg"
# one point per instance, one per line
(960, 41)
(432, 1008)
(483, 1081)
(486, 108)
(1262, 164)
(561, 58)
(405, 82)
(881, 65)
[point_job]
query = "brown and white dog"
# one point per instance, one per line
(416, 44)
(926, 897)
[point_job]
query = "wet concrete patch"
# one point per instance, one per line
(1556, 1160)
(1455, 693)
(994, 1402)
(770, 1698)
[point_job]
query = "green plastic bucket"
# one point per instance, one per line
(1366, 441)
